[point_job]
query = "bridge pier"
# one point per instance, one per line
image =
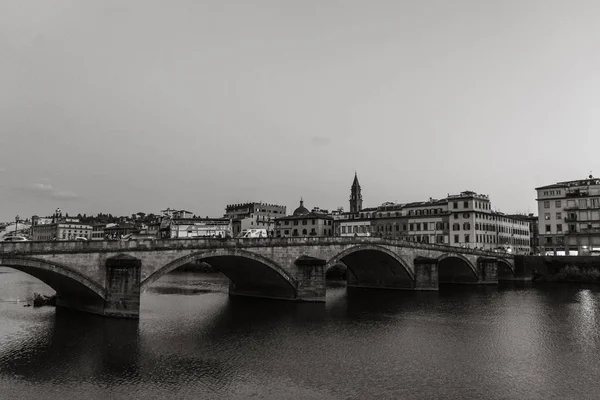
(488, 271)
(123, 279)
(122, 297)
(426, 274)
(310, 275)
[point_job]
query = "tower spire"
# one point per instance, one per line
(355, 195)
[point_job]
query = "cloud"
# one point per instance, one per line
(320, 141)
(49, 191)
(2, 169)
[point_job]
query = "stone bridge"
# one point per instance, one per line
(107, 277)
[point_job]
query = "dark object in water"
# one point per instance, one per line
(40, 300)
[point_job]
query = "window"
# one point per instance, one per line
(467, 238)
(466, 204)
(303, 231)
(455, 216)
(295, 223)
(546, 216)
(304, 222)
(455, 204)
(455, 238)
(411, 226)
(548, 229)
(312, 222)
(558, 215)
(456, 227)
(557, 203)
(546, 204)
(559, 228)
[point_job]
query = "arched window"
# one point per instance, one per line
(304, 231)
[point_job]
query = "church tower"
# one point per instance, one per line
(355, 196)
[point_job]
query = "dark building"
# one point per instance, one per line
(355, 196)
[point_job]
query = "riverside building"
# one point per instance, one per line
(253, 216)
(569, 217)
(59, 227)
(304, 223)
(464, 220)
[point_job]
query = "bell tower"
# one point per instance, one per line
(355, 196)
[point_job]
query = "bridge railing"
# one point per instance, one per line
(31, 247)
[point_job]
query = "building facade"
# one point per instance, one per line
(569, 217)
(253, 216)
(304, 223)
(68, 229)
(464, 220)
(189, 228)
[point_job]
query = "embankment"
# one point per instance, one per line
(559, 268)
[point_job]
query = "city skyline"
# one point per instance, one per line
(200, 105)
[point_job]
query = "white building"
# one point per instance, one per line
(569, 217)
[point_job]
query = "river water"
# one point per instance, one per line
(193, 342)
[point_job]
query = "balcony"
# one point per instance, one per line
(577, 193)
(584, 231)
(572, 218)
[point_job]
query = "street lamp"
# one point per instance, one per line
(16, 224)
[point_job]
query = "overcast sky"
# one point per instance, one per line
(138, 105)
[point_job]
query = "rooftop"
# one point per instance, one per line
(590, 181)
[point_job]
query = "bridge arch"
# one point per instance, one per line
(455, 267)
(506, 270)
(371, 265)
(67, 282)
(249, 273)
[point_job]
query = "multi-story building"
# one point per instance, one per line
(98, 231)
(304, 223)
(116, 231)
(474, 224)
(253, 215)
(569, 217)
(187, 228)
(59, 228)
(465, 219)
(534, 240)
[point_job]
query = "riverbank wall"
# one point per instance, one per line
(558, 268)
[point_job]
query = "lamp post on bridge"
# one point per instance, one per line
(16, 224)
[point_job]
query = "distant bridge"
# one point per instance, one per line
(106, 277)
